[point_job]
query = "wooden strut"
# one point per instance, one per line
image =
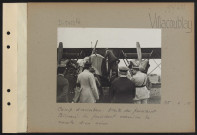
(60, 52)
(79, 54)
(156, 63)
(150, 54)
(125, 62)
(154, 68)
(125, 58)
(139, 52)
(93, 51)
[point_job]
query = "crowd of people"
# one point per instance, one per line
(128, 86)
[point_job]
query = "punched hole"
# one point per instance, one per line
(8, 103)
(8, 33)
(8, 90)
(8, 46)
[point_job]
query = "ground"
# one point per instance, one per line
(155, 97)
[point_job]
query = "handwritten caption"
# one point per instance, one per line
(177, 22)
(169, 102)
(69, 22)
(95, 116)
(173, 16)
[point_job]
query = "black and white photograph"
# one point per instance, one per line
(108, 65)
(73, 67)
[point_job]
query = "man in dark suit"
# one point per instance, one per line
(112, 61)
(122, 89)
(62, 85)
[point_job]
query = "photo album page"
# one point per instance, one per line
(98, 67)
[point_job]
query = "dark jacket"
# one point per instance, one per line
(111, 57)
(62, 89)
(72, 79)
(122, 90)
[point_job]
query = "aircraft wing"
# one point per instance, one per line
(131, 53)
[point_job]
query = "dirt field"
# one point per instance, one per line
(155, 96)
(154, 100)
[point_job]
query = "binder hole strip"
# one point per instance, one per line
(8, 103)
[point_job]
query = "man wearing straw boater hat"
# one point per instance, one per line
(62, 84)
(122, 89)
(140, 80)
(86, 81)
(98, 84)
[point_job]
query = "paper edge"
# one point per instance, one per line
(14, 116)
(22, 66)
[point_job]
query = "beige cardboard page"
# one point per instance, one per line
(176, 111)
(14, 67)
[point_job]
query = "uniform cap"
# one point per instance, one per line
(123, 69)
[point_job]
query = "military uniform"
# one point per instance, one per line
(142, 93)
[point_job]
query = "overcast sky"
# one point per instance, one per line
(112, 38)
(109, 37)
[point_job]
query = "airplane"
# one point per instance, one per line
(121, 53)
(80, 53)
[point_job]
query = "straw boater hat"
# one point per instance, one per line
(123, 70)
(135, 67)
(87, 64)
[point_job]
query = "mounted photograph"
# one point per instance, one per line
(108, 65)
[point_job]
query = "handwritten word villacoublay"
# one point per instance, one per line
(168, 23)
